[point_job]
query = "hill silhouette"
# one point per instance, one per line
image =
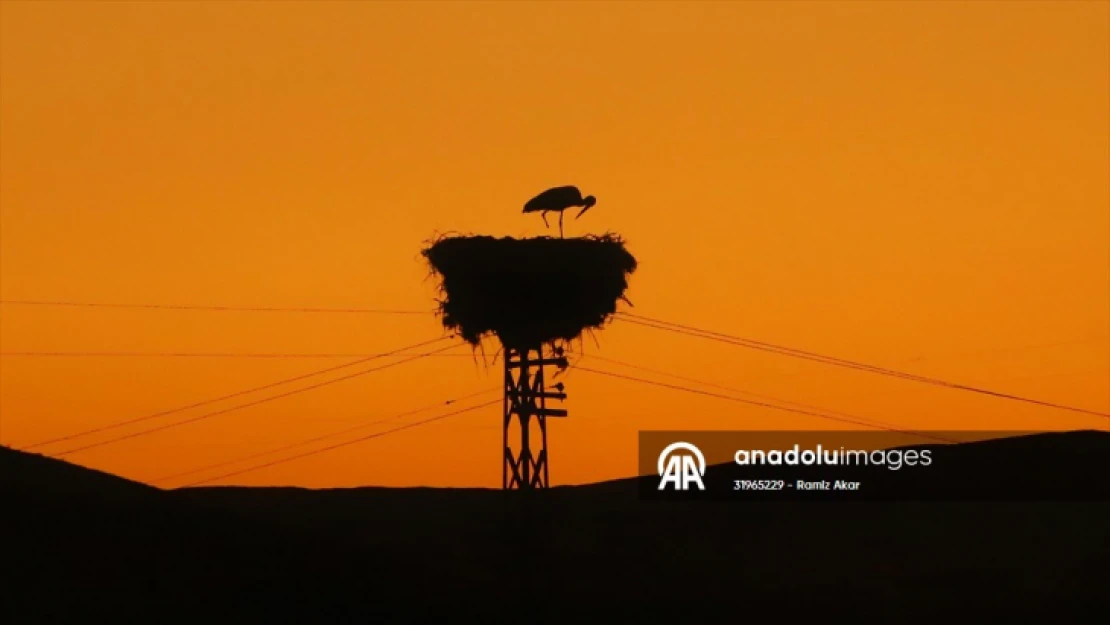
(81, 545)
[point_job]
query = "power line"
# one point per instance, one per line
(320, 438)
(844, 415)
(268, 309)
(164, 413)
(762, 404)
(230, 396)
(246, 405)
(797, 353)
(343, 444)
(289, 356)
(704, 334)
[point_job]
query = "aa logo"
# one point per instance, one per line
(681, 464)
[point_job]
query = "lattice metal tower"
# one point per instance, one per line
(525, 462)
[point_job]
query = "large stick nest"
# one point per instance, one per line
(529, 292)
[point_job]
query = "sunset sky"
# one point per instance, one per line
(922, 186)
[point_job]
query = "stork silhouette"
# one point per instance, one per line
(559, 199)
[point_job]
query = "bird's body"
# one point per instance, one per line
(559, 199)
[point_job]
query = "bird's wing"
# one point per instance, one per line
(555, 196)
(541, 200)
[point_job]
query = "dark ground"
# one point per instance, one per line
(82, 546)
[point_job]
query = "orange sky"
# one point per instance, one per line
(924, 186)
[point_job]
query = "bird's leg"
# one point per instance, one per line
(560, 224)
(544, 216)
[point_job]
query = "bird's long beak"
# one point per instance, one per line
(581, 211)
